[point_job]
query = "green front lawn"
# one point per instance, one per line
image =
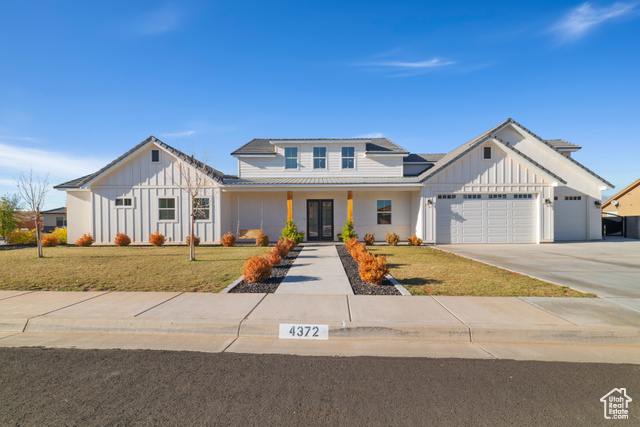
(165, 268)
(427, 271)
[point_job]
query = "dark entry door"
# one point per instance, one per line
(319, 219)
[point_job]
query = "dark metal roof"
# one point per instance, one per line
(262, 146)
(82, 181)
(559, 144)
(62, 210)
(319, 181)
(423, 158)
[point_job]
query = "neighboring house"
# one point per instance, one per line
(506, 186)
(25, 220)
(54, 218)
(626, 204)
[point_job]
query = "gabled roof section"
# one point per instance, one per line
(262, 146)
(561, 144)
(83, 181)
(423, 158)
(621, 193)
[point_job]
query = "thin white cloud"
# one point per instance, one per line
(431, 63)
(18, 138)
(587, 17)
(168, 17)
(178, 134)
(404, 68)
(370, 135)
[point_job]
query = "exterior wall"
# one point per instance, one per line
(269, 167)
(251, 209)
(633, 227)
(502, 174)
(628, 204)
(79, 216)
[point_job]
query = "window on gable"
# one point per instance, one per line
(124, 202)
(201, 208)
(384, 212)
(486, 153)
(319, 157)
(291, 157)
(348, 157)
(155, 156)
(166, 209)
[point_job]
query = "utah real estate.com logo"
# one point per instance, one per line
(616, 404)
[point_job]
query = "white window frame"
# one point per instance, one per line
(297, 157)
(175, 209)
(123, 205)
(158, 155)
(208, 209)
(484, 156)
(325, 158)
(343, 158)
(390, 211)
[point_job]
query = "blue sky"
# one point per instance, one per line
(83, 82)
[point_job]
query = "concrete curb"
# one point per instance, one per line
(232, 285)
(398, 286)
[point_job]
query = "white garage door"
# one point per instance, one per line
(570, 217)
(484, 218)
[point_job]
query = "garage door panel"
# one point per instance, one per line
(502, 213)
(497, 221)
(497, 204)
(570, 218)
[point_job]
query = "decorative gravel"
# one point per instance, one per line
(271, 284)
(359, 286)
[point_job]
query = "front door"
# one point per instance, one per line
(319, 219)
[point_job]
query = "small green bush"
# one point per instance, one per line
(290, 231)
(347, 232)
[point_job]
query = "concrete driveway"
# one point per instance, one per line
(609, 268)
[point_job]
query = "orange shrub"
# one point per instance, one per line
(282, 248)
(50, 240)
(122, 240)
(196, 241)
(360, 254)
(256, 269)
(262, 239)
(291, 243)
(369, 239)
(392, 239)
(273, 257)
(415, 240)
(228, 239)
(349, 244)
(85, 240)
(374, 269)
(156, 239)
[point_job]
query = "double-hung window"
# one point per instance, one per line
(384, 212)
(166, 209)
(201, 208)
(348, 157)
(291, 157)
(319, 157)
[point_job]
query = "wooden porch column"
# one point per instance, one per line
(289, 205)
(350, 206)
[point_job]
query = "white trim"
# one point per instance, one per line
(151, 152)
(123, 206)
(284, 166)
(355, 166)
(255, 155)
(210, 210)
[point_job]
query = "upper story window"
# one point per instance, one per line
(291, 157)
(486, 153)
(201, 208)
(167, 209)
(319, 157)
(125, 202)
(348, 157)
(155, 156)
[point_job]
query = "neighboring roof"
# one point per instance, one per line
(82, 181)
(262, 146)
(559, 144)
(318, 181)
(624, 191)
(62, 210)
(423, 158)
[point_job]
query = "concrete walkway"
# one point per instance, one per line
(317, 271)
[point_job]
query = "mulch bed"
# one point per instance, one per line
(271, 284)
(359, 286)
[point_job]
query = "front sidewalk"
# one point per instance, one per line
(569, 329)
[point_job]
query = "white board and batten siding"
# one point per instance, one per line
(146, 182)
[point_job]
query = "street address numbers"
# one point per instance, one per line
(304, 332)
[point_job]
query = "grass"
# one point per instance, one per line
(427, 271)
(165, 269)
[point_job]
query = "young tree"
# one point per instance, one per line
(9, 206)
(33, 190)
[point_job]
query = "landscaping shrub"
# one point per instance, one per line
(350, 243)
(228, 239)
(49, 240)
(61, 234)
(273, 256)
(282, 248)
(256, 269)
(19, 237)
(369, 239)
(290, 243)
(262, 239)
(156, 239)
(122, 239)
(415, 240)
(392, 239)
(85, 240)
(374, 269)
(291, 231)
(347, 232)
(196, 241)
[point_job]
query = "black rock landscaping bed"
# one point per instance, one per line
(271, 284)
(359, 286)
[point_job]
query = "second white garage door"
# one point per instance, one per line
(483, 218)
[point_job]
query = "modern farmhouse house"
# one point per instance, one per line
(506, 186)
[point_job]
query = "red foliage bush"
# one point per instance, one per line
(282, 248)
(392, 239)
(414, 241)
(262, 239)
(374, 269)
(228, 239)
(122, 240)
(85, 240)
(256, 269)
(369, 239)
(196, 241)
(273, 257)
(156, 239)
(50, 240)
